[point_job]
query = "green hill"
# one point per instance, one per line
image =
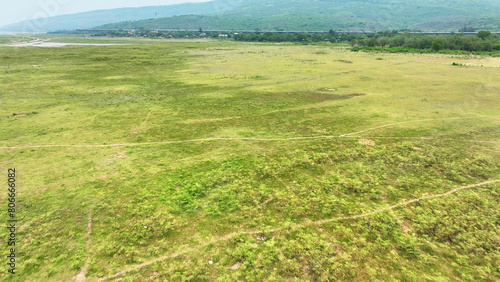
(303, 15)
(308, 15)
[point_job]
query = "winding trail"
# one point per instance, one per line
(298, 225)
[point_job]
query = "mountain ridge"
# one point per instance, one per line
(300, 15)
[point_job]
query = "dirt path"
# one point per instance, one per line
(397, 123)
(347, 135)
(169, 142)
(81, 276)
(245, 139)
(319, 222)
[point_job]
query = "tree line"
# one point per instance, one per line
(331, 37)
(482, 41)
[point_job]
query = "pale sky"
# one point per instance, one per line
(19, 10)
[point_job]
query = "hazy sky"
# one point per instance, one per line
(16, 11)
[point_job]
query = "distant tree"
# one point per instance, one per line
(467, 29)
(383, 41)
(316, 37)
(438, 43)
(483, 34)
(301, 37)
(371, 42)
(200, 31)
(487, 46)
(468, 43)
(388, 33)
(397, 41)
(425, 42)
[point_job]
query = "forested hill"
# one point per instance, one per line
(309, 15)
(300, 15)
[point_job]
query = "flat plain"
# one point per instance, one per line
(229, 161)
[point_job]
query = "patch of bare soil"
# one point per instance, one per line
(367, 142)
(236, 266)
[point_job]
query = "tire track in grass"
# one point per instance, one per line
(83, 273)
(168, 142)
(298, 225)
(147, 118)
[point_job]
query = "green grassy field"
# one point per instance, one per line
(224, 161)
(10, 38)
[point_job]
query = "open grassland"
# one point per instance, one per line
(10, 38)
(273, 162)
